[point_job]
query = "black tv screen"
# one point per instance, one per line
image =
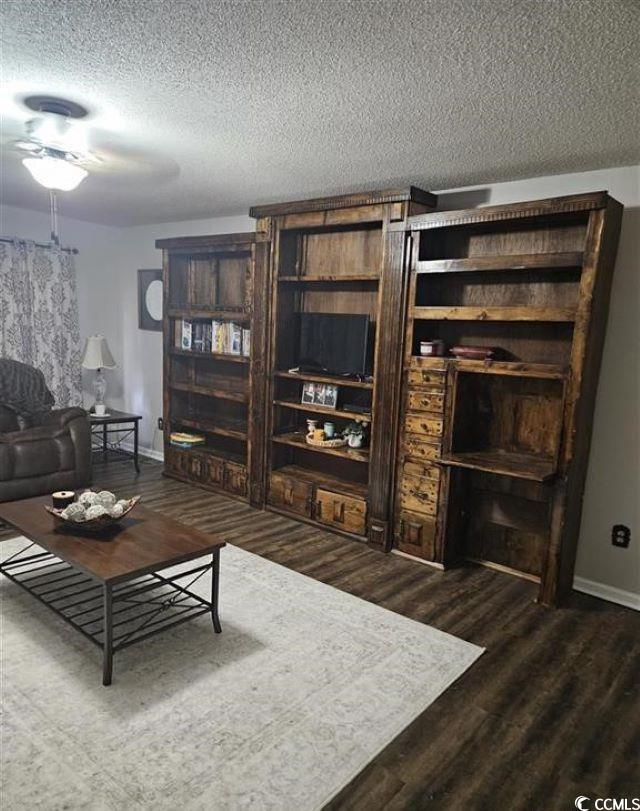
(334, 343)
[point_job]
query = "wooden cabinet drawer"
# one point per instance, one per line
(419, 495)
(340, 511)
(235, 478)
(421, 469)
(215, 472)
(428, 378)
(422, 424)
(416, 534)
(290, 494)
(426, 401)
(416, 448)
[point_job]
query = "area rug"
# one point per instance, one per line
(303, 688)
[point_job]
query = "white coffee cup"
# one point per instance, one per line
(100, 410)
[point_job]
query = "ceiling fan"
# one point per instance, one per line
(55, 143)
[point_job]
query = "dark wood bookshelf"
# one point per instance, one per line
(220, 395)
(492, 454)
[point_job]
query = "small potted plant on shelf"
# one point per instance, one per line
(356, 433)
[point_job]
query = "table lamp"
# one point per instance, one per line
(96, 355)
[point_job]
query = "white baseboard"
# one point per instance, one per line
(151, 453)
(610, 593)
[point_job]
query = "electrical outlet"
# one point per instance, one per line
(620, 535)
(160, 424)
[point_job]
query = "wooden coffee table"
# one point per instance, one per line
(110, 588)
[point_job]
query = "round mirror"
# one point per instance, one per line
(153, 300)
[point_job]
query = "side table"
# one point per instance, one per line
(108, 432)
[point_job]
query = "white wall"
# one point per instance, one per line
(109, 259)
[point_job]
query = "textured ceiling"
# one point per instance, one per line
(208, 107)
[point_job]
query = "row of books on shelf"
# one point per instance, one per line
(221, 337)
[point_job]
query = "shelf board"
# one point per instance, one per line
(352, 277)
(323, 480)
(209, 450)
(236, 429)
(297, 440)
(560, 314)
(549, 371)
(570, 259)
(209, 312)
(236, 396)
(503, 463)
(189, 353)
(318, 409)
(337, 381)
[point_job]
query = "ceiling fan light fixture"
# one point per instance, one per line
(55, 172)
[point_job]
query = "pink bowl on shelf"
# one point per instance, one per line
(472, 352)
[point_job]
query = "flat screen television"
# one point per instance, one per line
(334, 343)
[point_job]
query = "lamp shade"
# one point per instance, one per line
(96, 354)
(55, 173)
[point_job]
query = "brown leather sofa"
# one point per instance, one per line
(41, 450)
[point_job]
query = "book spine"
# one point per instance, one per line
(187, 334)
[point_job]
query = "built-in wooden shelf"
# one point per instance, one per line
(324, 480)
(236, 429)
(318, 409)
(527, 261)
(206, 312)
(550, 371)
(209, 450)
(188, 353)
(236, 395)
(559, 314)
(297, 440)
(503, 463)
(353, 277)
(336, 381)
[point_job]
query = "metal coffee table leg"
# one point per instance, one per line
(107, 654)
(215, 587)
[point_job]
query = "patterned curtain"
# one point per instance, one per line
(39, 315)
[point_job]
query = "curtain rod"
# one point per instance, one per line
(39, 244)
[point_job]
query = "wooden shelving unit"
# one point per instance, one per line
(492, 454)
(220, 278)
(329, 257)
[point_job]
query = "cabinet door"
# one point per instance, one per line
(344, 512)
(236, 478)
(419, 494)
(197, 467)
(416, 534)
(215, 471)
(290, 494)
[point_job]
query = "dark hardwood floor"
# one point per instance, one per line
(549, 712)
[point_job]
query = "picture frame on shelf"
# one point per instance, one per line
(320, 394)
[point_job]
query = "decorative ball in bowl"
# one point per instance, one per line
(93, 512)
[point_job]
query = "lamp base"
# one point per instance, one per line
(99, 390)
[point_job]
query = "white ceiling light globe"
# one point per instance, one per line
(55, 173)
